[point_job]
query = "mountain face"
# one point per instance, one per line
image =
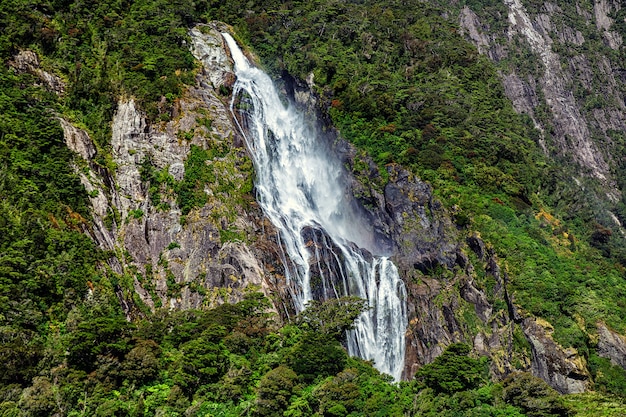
(179, 251)
(491, 175)
(216, 252)
(562, 65)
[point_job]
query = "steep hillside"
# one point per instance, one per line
(561, 64)
(139, 276)
(438, 108)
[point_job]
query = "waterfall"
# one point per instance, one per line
(329, 246)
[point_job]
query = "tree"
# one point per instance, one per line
(316, 354)
(204, 360)
(141, 364)
(534, 396)
(453, 371)
(332, 317)
(100, 335)
(38, 399)
(274, 392)
(339, 395)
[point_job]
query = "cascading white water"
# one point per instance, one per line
(299, 188)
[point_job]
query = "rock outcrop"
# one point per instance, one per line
(546, 64)
(563, 369)
(211, 255)
(572, 134)
(27, 61)
(611, 345)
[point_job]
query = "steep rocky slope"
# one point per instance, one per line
(562, 65)
(223, 246)
(132, 250)
(210, 254)
(447, 301)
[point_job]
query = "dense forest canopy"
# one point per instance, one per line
(398, 80)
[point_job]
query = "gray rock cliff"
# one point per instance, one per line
(171, 260)
(432, 259)
(224, 247)
(612, 345)
(564, 73)
(561, 64)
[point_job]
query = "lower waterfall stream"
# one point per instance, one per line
(299, 187)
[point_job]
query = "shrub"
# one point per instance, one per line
(453, 371)
(316, 355)
(275, 391)
(533, 396)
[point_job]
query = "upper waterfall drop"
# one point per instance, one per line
(301, 189)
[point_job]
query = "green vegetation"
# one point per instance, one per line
(610, 379)
(226, 172)
(198, 172)
(235, 360)
(46, 261)
(453, 371)
(400, 83)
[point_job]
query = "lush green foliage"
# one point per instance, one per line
(401, 84)
(533, 396)
(45, 258)
(106, 50)
(332, 318)
(234, 360)
(453, 371)
(609, 378)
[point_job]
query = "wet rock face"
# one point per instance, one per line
(423, 241)
(430, 330)
(421, 229)
(408, 223)
(325, 264)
